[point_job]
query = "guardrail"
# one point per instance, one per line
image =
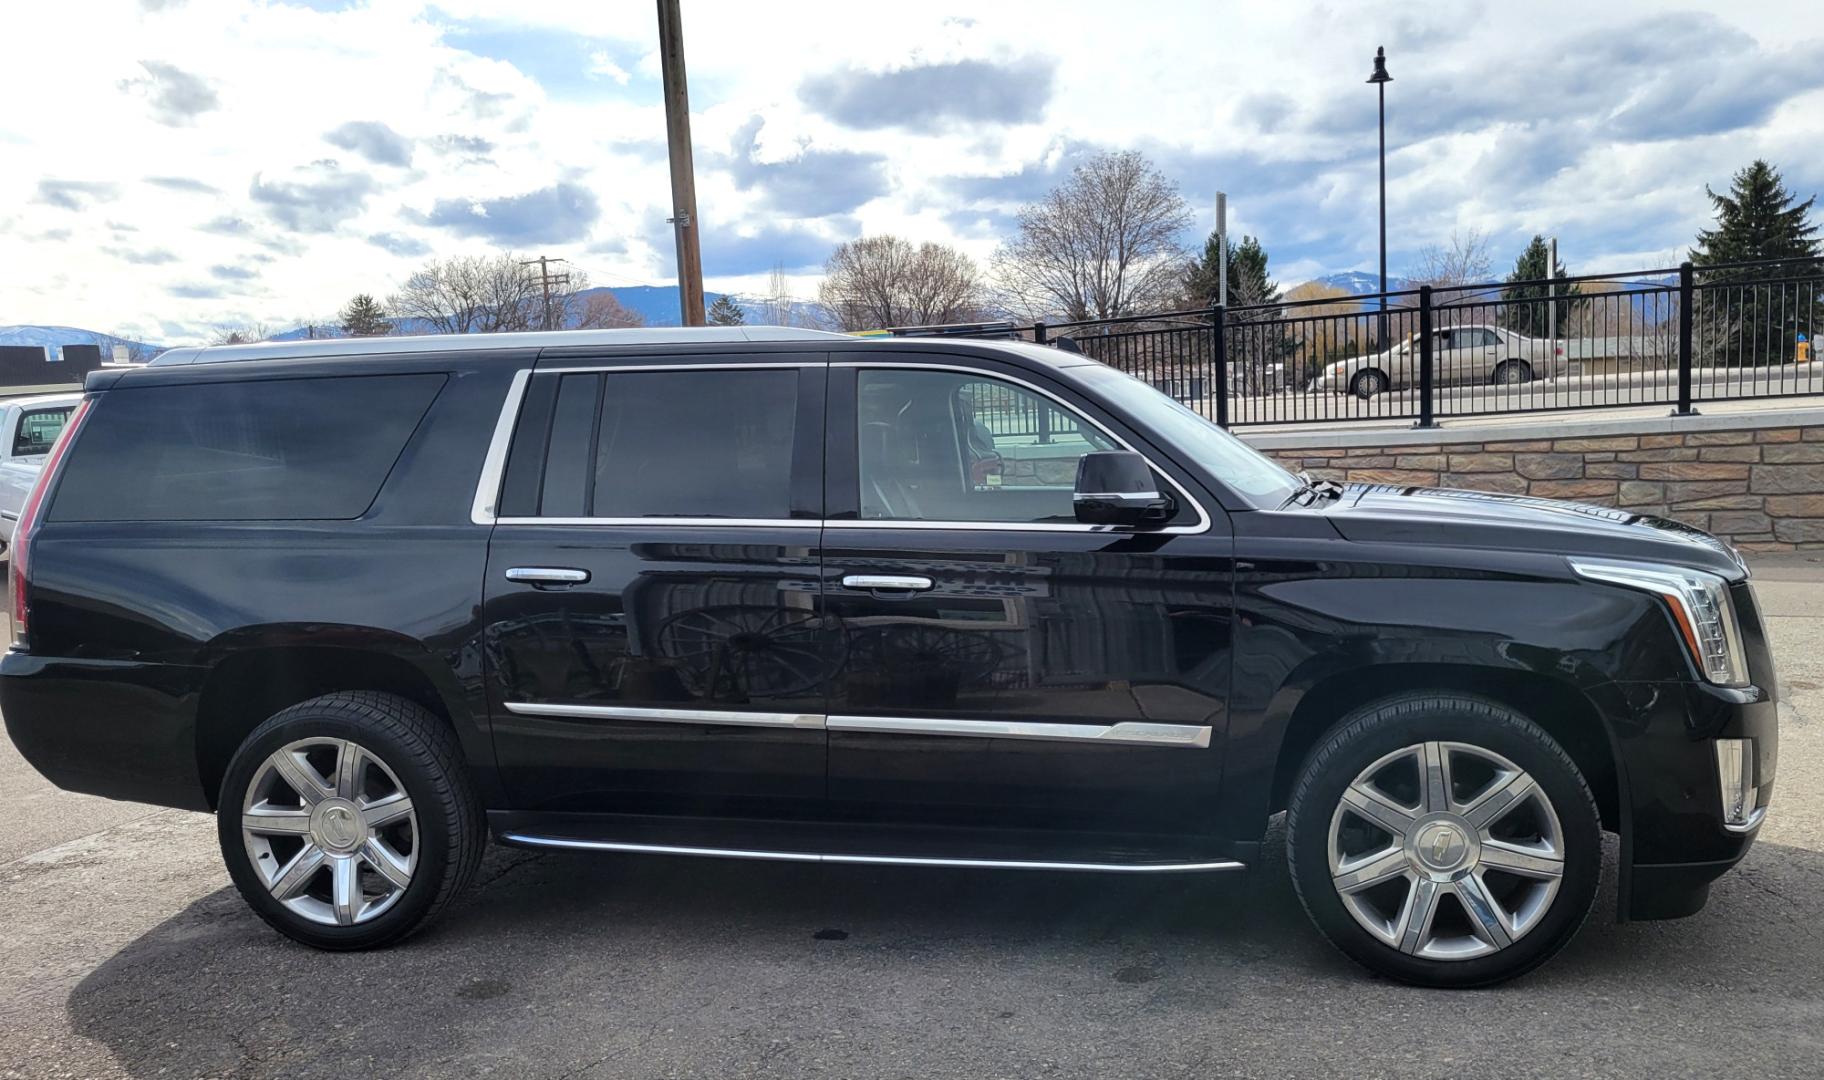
(1677, 337)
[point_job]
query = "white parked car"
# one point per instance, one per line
(1459, 354)
(28, 427)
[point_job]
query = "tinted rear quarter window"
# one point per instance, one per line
(278, 449)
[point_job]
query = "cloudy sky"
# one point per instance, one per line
(176, 165)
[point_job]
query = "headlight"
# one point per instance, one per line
(1337, 368)
(1700, 606)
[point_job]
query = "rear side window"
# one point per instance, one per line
(38, 430)
(700, 443)
(281, 449)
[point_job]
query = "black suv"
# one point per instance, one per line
(774, 594)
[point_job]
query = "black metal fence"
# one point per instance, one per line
(1675, 337)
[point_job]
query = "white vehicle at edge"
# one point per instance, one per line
(28, 427)
(1459, 354)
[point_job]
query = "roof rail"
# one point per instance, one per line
(541, 339)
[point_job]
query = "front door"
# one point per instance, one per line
(652, 639)
(1006, 667)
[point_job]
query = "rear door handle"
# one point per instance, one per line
(887, 582)
(543, 576)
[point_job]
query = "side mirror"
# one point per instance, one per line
(1116, 487)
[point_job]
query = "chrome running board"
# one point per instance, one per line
(562, 843)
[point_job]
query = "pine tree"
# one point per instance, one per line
(364, 317)
(1526, 311)
(1754, 314)
(725, 312)
(1250, 284)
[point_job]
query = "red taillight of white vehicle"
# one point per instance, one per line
(28, 519)
(1559, 349)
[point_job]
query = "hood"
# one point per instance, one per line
(1382, 513)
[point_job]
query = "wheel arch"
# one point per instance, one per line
(255, 677)
(1564, 711)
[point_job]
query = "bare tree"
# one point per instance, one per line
(778, 307)
(1103, 244)
(1448, 269)
(881, 281)
(601, 311)
(473, 294)
(242, 334)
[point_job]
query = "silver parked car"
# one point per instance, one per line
(1459, 354)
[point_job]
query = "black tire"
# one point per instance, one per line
(1368, 383)
(1375, 730)
(421, 751)
(1513, 372)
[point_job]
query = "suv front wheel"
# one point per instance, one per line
(1444, 840)
(348, 822)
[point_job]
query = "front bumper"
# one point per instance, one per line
(1674, 842)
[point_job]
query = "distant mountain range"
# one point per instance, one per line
(657, 304)
(56, 337)
(1360, 283)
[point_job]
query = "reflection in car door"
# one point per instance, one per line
(651, 634)
(1004, 666)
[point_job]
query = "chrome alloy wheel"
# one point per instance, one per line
(330, 831)
(1446, 851)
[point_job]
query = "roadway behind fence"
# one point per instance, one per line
(1676, 337)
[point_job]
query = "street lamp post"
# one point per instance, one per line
(1380, 79)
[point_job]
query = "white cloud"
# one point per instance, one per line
(600, 63)
(210, 128)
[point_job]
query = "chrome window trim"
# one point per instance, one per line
(555, 366)
(1125, 733)
(812, 721)
(493, 466)
(487, 489)
(1203, 517)
(568, 844)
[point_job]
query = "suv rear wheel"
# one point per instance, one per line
(1444, 840)
(347, 821)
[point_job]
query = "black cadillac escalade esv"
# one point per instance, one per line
(775, 594)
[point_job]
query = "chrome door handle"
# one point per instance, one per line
(878, 582)
(547, 575)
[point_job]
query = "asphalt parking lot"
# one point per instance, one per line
(125, 952)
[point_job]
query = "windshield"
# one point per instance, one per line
(1222, 455)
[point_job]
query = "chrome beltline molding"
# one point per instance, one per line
(670, 716)
(1125, 733)
(567, 844)
(1131, 733)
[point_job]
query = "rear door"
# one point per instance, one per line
(1005, 667)
(653, 644)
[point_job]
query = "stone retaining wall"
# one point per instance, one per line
(1760, 487)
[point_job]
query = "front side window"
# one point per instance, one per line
(945, 446)
(38, 430)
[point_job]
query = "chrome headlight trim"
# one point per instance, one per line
(1700, 604)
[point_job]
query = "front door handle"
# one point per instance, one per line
(887, 582)
(547, 576)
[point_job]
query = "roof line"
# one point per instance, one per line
(540, 339)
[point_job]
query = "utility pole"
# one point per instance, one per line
(546, 279)
(683, 170)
